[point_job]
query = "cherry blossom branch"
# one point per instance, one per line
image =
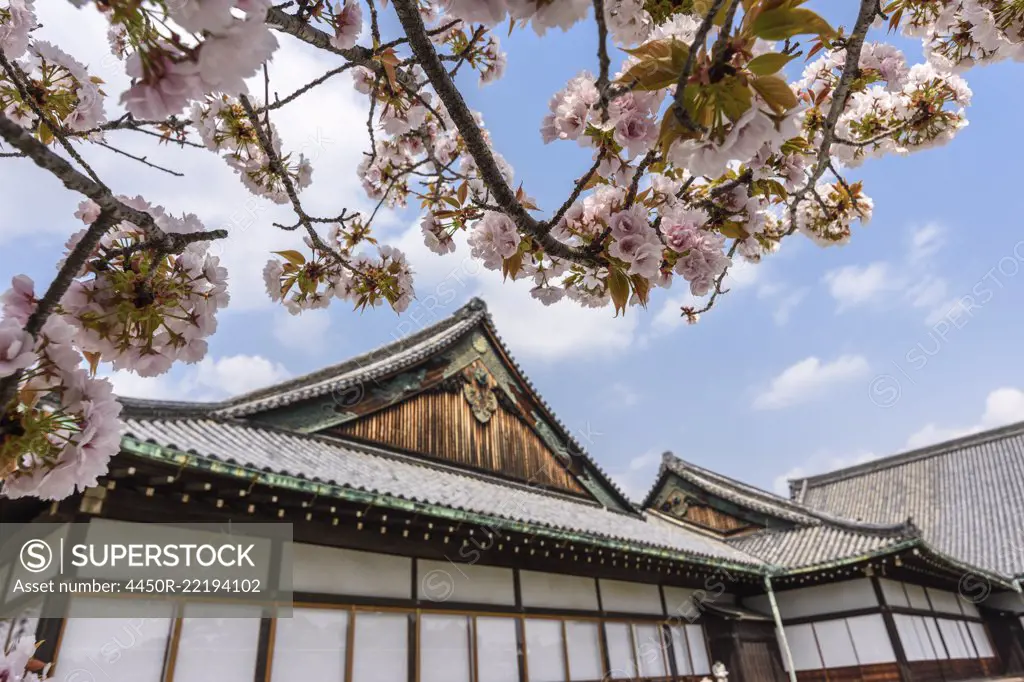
(140, 159)
(691, 58)
(278, 103)
(412, 23)
(851, 69)
(604, 63)
(60, 284)
(16, 75)
(577, 190)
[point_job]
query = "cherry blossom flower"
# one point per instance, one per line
(494, 238)
(348, 24)
(16, 21)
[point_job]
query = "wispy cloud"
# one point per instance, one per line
(807, 379)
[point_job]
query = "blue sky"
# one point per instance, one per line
(817, 357)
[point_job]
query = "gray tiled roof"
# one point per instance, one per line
(750, 497)
(729, 489)
(966, 496)
(817, 545)
(361, 468)
(382, 361)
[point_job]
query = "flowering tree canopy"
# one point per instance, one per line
(703, 153)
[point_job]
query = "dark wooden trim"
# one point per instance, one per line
(890, 627)
(413, 654)
(935, 614)
(524, 673)
(803, 620)
(517, 590)
(265, 650)
(414, 577)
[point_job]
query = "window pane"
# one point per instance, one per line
(545, 657)
(381, 647)
(127, 646)
(217, 649)
(952, 638)
(620, 651)
(980, 638)
(444, 648)
(310, 645)
(698, 650)
(584, 641)
(835, 644)
(682, 650)
(908, 637)
(933, 631)
(871, 639)
(496, 649)
(803, 647)
(650, 651)
(965, 636)
(924, 636)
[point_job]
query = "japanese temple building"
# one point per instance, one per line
(448, 528)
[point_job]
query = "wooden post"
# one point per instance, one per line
(782, 632)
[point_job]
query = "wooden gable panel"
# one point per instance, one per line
(442, 424)
(687, 508)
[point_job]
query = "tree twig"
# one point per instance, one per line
(140, 159)
(476, 146)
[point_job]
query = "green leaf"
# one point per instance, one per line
(733, 97)
(776, 92)
(785, 22)
(618, 289)
(769, 63)
(291, 256)
(661, 63)
(733, 230)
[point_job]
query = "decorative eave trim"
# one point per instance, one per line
(283, 481)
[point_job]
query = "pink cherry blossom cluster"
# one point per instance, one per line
(493, 239)
(826, 219)
(14, 660)
(63, 90)
(141, 309)
(335, 271)
(224, 126)
(62, 429)
(17, 20)
(959, 34)
(178, 52)
(540, 14)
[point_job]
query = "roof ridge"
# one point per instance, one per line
(671, 462)
(915, 455)
(474, 308)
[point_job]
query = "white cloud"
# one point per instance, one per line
(855, 285)
(208, 380)
(1002, 406)
(669, 316)
(818, 464)
(637, 477)
(807, 379)
(304, 332)
(925, 242)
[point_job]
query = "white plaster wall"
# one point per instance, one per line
(819, 600)
(444, 581)
(618, 596)
(558, 591)
(345, 571)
